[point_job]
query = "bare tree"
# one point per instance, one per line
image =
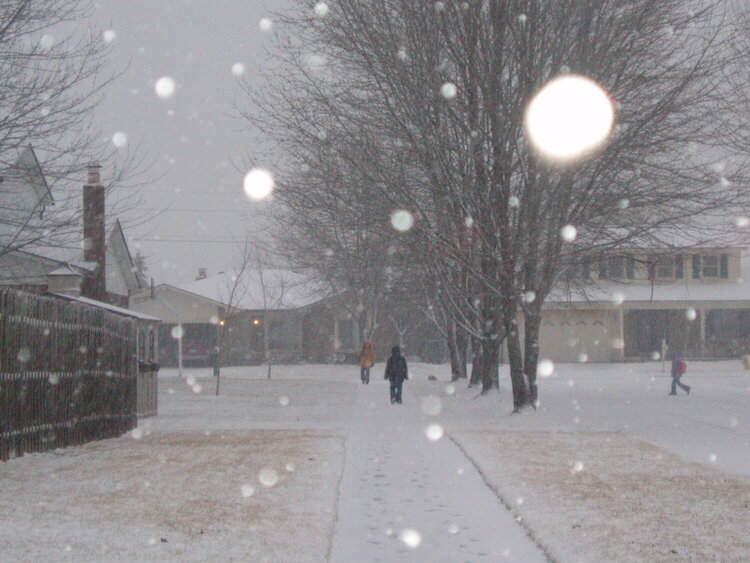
(256, 284)
(435, 94)
(53, 74)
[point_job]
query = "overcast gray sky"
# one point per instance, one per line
(193, 137)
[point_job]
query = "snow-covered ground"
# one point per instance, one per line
(313, 466)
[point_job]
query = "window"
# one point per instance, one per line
(141, 345)
(282, 334)
(617, 267)
(728, 324)
(151, 345)
(347, 337)
(667, 267)
(586, 269)
(568, 269)
(710, 266)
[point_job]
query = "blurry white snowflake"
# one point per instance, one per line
(411, 538)
(47, 41)
(568, 233)
(265, 24)
(165, 87)
(434, 432)
(119, 139)
(402, 220)
(569, 117)
(268, 477)
(258, 184)
(545, 368)
(247, 491)
(448, 90)
(24, 355)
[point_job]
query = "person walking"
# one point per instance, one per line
(396, 371)
(366, 361)
(679, 367)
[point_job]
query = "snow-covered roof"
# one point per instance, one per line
(270, 289)
(65, 270)
(107, 306)
(122, 277)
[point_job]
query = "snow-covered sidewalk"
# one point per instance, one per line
(409, 494)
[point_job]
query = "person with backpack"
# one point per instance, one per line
(679, 367)
(396, 371)
(366, 361)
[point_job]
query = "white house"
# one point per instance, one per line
(696, 301)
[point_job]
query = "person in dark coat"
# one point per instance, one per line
(678, 369)
(396, 371)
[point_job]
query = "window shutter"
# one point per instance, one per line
(603, 268)
(679, 272)
(696, 266)
(724, 266)
(630, 267)
(586, 269)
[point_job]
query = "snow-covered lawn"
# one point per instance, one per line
(609, 468)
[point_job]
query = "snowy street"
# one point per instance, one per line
(609, 468)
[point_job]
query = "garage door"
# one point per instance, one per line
(575, 336)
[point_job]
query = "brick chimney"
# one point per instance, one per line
(93, 234)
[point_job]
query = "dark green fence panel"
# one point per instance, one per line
(67, 373)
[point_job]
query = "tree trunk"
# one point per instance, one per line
(531, 351)
(489, 365)
(401, 334)
(476, 364)
(453, 351)
(515, 357)
(462, 343)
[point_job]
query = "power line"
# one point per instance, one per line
(192, 241)
(195, 210)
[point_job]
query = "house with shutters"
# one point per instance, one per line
(46, 249)
(630, 305)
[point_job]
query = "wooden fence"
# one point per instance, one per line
(67, 373)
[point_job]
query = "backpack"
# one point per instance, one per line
(681, 367)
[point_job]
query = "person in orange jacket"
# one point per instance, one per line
(366, 361)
